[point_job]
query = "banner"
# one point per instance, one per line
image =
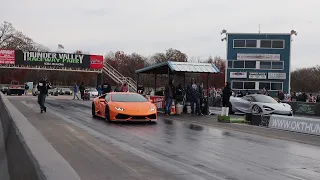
(56, 59)
(253, 57)
(239, 75)
(276, 75)
(7, 56)
(257, 75)
(96, 62)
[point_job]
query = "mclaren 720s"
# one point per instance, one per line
(124, 106)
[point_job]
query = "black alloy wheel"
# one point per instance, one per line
(93, 110)
(107, 114)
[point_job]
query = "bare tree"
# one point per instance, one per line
(6, 33)
(306, 79)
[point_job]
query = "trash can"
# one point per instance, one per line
(179, 108)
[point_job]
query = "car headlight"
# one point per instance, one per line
(153, 108)
(119, 109)
(267, 108)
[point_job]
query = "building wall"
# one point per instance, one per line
(258, 64)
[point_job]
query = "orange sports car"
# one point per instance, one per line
(123, 106)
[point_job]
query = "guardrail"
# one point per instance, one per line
(29, 154)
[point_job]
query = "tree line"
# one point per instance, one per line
(305, 79)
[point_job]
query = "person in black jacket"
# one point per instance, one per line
(106, 88)
(140, 89)
(43, 87)
(169, 94)
(195, 93)
(226, 93)
(81, 89)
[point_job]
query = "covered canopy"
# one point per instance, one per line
(172, 66)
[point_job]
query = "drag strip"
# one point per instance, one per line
(167, 150)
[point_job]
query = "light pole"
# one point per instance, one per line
(293, 32)
(225, 38)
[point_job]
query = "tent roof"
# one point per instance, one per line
(163, 68)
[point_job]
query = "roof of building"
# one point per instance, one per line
(172, 66)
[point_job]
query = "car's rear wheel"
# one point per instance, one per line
(256, 110)
(93, 110)
(107, 114)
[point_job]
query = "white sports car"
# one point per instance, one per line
(93, 92)
(259, 104)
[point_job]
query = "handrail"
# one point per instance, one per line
(115, 75)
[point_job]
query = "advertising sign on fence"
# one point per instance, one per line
(296, 124)
(7, 56)
(158, 101)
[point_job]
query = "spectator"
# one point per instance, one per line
(169, 94)
(124, 87)
(82, 88)
(106, 88)
(26, 88)
(195, 92)
(75, 91)
(226, 93)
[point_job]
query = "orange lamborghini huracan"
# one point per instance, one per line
(123, 106)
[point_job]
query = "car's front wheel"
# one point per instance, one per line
(93, 110)
(256, 110)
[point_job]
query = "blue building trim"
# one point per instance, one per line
(283, 52)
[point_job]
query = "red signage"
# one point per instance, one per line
(7, 56)
(158, 101)
(96, 62)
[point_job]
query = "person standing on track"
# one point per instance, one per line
(226, 93)
(75, 91)
(43, 87)
(26, 88)
(82, 88)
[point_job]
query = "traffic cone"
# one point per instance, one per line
(173, 109)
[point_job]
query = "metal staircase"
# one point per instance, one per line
(118, 77)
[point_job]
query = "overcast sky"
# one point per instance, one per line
(149, 26)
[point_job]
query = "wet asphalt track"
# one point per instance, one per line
(170, 149)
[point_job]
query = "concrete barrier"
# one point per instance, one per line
(29, 155)
(287, 123)
(295, 124)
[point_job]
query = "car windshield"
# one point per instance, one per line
(128, 98)
(264, 99)
(65, 89)
(92, 90)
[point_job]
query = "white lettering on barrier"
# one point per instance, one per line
(297, 124)
(159, 105)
